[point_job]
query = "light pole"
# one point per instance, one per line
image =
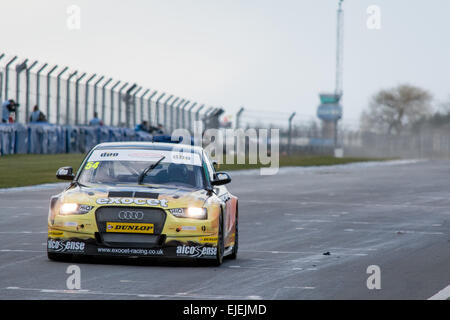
(290, 132)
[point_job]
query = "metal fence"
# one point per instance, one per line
(303, 134)
(70, 97)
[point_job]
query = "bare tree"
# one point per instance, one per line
(392, 110)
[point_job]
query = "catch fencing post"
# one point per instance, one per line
(134, 106)
(119, 105)
(86, 98)
(197, 114)
(127, 104)
(27, 91)
(68, 96)
(142, 103)
(103, 99)
(77, 91)
(19, 68)
(205, 117)
(38, 85)
(7, 75)
(290, 132)
(149, 104)
(190, 116)
(183, 111)
(177, 123)
(48, 91)
(95, 92)
(172, 106)
(165, 111)
(58, 93)
(111, 118)
(157, 108)
(238, 117)
(1, 80)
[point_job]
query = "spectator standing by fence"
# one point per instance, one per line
(37, 115)
(96, 120)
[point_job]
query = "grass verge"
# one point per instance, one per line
(31, 169)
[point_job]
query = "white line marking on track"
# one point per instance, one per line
(141, 295)
(444, 294)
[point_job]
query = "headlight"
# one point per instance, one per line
(74, 208)
(192, 212)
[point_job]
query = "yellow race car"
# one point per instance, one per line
(144, 199)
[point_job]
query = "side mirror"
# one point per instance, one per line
(221, 178)
(65, 173)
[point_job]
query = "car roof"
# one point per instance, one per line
(149, 145)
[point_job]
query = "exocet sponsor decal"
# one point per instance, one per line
(196, 252)
(136, 201)
(65, 246)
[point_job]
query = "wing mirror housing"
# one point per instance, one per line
(221, 178)
(65, 173)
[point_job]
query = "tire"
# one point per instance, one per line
(220, 244)
(233, 254)
(59, 256)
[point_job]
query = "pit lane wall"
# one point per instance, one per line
(50, 139)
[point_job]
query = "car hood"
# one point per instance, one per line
(154, 196)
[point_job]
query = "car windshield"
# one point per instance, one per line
(125, 166)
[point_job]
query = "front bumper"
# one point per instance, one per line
(191, 247)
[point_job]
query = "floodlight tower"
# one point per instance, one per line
(329, 110)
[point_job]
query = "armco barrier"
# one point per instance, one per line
(48, 139)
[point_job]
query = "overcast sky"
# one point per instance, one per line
(264, 55)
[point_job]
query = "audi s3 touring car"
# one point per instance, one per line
(144, 199)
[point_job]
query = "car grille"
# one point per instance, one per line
(149, 215)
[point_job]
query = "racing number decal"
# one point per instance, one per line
(91, 165)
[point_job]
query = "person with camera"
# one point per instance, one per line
(8, 107)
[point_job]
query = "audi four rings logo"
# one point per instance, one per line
(131, 215)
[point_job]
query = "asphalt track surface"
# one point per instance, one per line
(393, 216)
